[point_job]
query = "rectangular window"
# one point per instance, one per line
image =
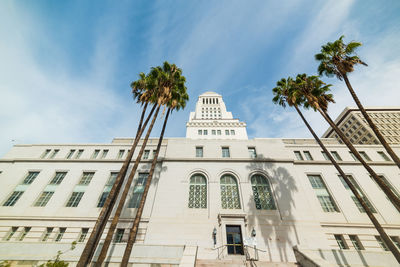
(10, 234)
(213, 132)
(13, 198)
(111, 180)
(232, 132)
(55, 152)
(353, 156)
(323, 195)
(225, 152)
(298, 155)
(75, 199)
(396, 241)
(46, 235)
(58, 178)
(341, 242)
(325, 155)
(86, 178)
(95, 153)
(252, 152)
(120, 154)
(199, 132)
(307, 154)
(146, 154)
(25, 231)
(199, 151)
(102, 199)
(45, 153)
(205, 132)
(138, 190)
(356, 242)
(104, 154)
(83, 234)
(43, 199)
(381, 243)
(119, 235)
(383, 155)
(70, 153)
(365, 156)
(154, 153)
(218, 132)
(336, 156)
(79, 154)
(60, 234)
(358, 204)
(226, 132)
(30, 177)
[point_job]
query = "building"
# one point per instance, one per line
(356, 128)
(212, 195)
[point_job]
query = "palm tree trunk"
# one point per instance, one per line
(98, 228)
(135, 226)
(125, 192)
(392, 197)
(141, 118)
(371, 123)
(353, 189)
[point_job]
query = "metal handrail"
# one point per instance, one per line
(219, 247)
(255, 248)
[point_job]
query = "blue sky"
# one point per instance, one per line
(66, 66)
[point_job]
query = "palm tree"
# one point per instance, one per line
(178, 100)
(289, 92)
(338, 59)
(101, 222)
(317, 95)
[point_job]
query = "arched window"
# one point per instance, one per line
(229, 192)
(198, 192)
(262, 193)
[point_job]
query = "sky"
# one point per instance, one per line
(66, 66)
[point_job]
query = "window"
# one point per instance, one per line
(75, 199)
(146, 154)
(25, 231)
(86, 178)
(104, 154)
(205, 132)
(199, 151)
(79, 154)
(340, 241)
(383, 178)
(107, 189)
(46, 235)
(60, 234)
(11, 233)
(199, 132)
(365, 156)
(95, 153)
(383, 155)
(30, 177)
(336, 155)
(13, 198)
(229, 192)
(396, 241)
(213, 132)
(120, 154)
(198, 192)
(356, 242)
(70, 153)
(102, 199)
(225, 152)
(323, 195)
(252, 152)
(262, 193)
(138, 190)
(358, 204)
(111, 180)
(226, 132)
(325, 155)
(307, 154)
(83, 234)
(45, 153)
(119, 235)
(58, 178)
(55, 152)
(218, 132)
(353, 156)
(298, 155)
(232, 132)
(381, 243)
(43, 199)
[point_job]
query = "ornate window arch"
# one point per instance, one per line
(198, 191)
(262, 193)
(229, 192)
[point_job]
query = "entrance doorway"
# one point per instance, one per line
(234, 239)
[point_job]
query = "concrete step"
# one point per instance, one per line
(242, 263)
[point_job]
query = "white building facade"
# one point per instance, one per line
(212, 195)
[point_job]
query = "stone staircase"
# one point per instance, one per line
(242, 263)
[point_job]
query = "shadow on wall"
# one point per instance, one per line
(277, 229)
